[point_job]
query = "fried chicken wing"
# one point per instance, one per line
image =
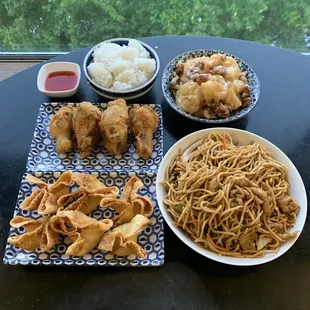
(143, 122)
(114, 127)
(61, 129)
(85, 125)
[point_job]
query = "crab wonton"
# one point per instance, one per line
(122, 240)
(83, 231)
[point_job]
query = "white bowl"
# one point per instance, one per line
(297, 191)
(54, 67)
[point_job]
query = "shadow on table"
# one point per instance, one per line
(178, 126)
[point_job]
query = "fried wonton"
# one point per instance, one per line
(87, 181)
(85, 201)
(36, 198)
(87, 197)
(34, 180)
(84, 232)
(45, 199)
(39, 234)
(131, 188)
(56, 190)
(122, 240)
(130, 203)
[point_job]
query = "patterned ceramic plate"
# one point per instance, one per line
(253, 82)
(151, 239)
(43, 156)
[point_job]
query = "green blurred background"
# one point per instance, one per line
(64, 25)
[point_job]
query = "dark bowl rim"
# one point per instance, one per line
(114, 40)
(228, 119)
(127, 97)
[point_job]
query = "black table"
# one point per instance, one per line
(186, 280)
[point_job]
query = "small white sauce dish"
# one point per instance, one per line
(56, 67)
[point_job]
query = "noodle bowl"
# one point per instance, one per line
(233, 200)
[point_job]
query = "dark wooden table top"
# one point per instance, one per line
(186, 280)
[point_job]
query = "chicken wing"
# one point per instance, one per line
(114, 127)
(85, 125)
(61, 129)
(143, 122)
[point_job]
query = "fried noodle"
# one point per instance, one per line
(233, 200)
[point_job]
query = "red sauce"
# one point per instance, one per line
(60, 80)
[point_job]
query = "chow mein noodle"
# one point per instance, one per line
(233, 200)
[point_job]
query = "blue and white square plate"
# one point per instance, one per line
(151, 239)
(43, 156)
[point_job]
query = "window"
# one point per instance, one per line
(65, 25)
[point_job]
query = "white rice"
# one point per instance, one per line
(100, 74)
(128, 53)
(132, 77)
(121, 86)
(143, 53)
(106, 52)
(148, 66)
(121, 67)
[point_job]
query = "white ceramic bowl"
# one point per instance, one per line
(297, 191)
(54, 67)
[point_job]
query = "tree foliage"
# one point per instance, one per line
(72, 24)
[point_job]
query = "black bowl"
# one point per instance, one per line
(251, 76)
(127, 94)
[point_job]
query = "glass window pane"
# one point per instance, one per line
(64, 25)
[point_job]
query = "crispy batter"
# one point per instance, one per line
(85, 125)
(210, 87)
(214, 90)
(61, 129)
(189, 97)
(143, 122)
(114, 127)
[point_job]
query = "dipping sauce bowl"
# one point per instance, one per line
(59, 79)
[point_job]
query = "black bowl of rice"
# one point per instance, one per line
(121, 68)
